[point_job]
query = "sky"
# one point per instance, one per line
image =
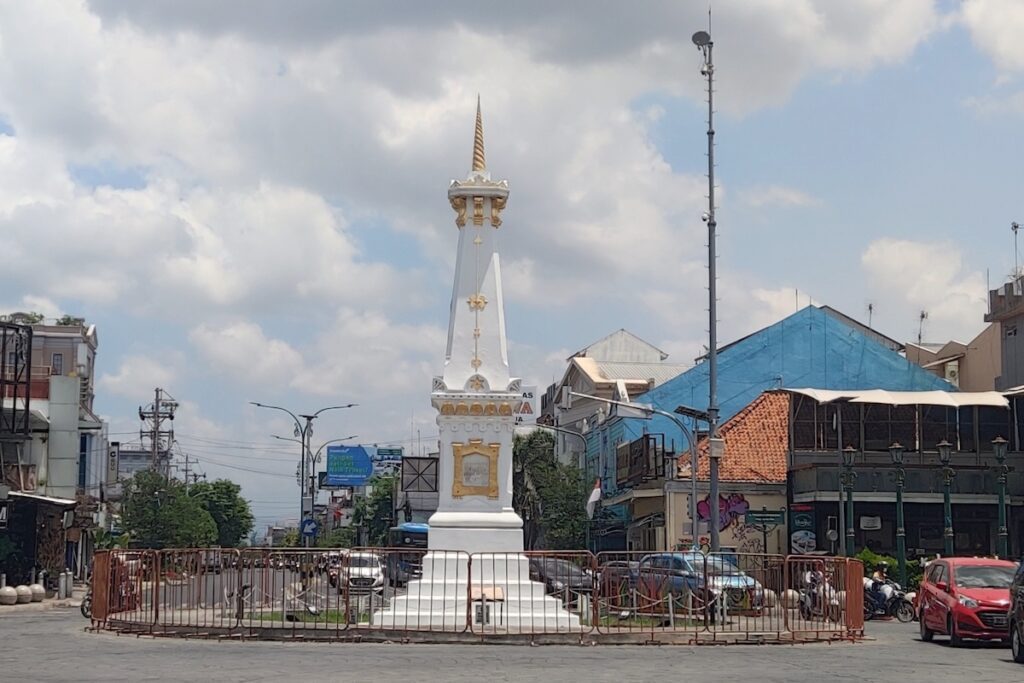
(249, 198)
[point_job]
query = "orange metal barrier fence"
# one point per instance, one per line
(325, 593)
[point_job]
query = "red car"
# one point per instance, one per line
(966, 597)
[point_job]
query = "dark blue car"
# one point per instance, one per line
(709, 578)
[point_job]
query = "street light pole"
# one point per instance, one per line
(304, 432)
(848, 479)
(999, 448)
(896, 453)
(702, 39)
(948, 473)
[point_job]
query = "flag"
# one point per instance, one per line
(595, 496)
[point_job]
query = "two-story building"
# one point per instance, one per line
(823, 423)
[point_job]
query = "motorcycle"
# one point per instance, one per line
(896, 605)
(818, 599)
(86, 606)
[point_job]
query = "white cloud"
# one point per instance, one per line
(777, 195)
(911, 276)
(137, 376)
(244, 353)
(996, 27)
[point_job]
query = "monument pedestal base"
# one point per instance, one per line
(493, 594)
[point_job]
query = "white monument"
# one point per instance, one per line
(476, 399)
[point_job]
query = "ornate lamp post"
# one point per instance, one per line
(945, 456)
(999, 448)
(896, 453)
(847, 478)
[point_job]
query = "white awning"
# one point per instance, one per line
(952, 399)
(63, 502)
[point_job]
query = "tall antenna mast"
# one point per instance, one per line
(920, 325)
(871, 311)
(1015, 226)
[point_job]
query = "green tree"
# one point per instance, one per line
(157, 513)
(192, 526)
(230, 512)
(548, 495)
(342, 537)
(291, 539)
(374, 513)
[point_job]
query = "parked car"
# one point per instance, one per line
(615, 576)
(966, 597)
(1016, 615)
(562, 577)
(360, 573)
(711, 578)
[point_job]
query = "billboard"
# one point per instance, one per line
(526, 413)
(387, 460)
(348, 466)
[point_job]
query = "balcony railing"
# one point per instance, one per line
(969, 480)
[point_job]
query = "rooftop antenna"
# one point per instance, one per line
(871, 311)
(920, 325)
(1015, 226)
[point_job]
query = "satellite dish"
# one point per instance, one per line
(701, 38)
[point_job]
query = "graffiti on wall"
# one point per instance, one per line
(731, 510)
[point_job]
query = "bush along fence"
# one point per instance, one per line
(416, 595)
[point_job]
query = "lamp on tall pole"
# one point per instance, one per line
(999, 449)
(702, 39)
(847, 478)
(945, 457)
(896, 453)
(303, 432)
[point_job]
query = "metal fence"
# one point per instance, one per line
(408, 593)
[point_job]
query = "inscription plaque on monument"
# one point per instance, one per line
(476, 469)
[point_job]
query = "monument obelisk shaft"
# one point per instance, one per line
(476, 395)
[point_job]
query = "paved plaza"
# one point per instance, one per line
(51, 645)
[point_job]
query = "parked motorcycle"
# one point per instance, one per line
(86, 606)
(818, 599)
(896, 605)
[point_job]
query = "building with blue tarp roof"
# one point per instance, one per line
(815, 347)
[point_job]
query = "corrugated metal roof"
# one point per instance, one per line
(659, 372)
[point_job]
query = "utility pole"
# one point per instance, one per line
(153, 416)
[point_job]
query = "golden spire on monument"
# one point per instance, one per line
(478, 141)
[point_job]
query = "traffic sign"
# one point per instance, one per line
(765, 517)
(309, 527)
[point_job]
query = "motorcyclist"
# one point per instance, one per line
(881, 588)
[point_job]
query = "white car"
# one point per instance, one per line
(362, 573)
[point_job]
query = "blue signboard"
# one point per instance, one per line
(348, 466)
(309, 527)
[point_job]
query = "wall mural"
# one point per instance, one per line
(731, 510)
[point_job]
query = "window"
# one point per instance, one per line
(942, 574)
(57, 363)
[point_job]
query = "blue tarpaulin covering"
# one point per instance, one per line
(810, 348)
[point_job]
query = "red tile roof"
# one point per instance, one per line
(756, 443)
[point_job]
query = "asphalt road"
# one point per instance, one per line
(51, 645)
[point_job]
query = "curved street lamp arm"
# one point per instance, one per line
(324, 410)
(298, 424)
(325, 444)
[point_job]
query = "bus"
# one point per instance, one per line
(407, 545)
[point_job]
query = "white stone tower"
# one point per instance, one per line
(475, 396)
(475, 566)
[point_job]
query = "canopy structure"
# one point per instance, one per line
(958, 399)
